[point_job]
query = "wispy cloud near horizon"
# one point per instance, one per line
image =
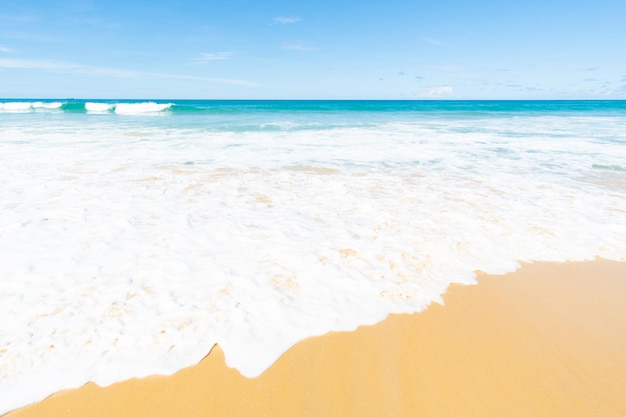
(23, 18)
(439, 92)
(63, 67)
(32, 36)
(5, 49)
(433, 41)
(75, 68)
(286, 19)
(298, 46)
(212, 56)
(230, 81)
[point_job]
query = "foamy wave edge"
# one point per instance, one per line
(22, 106)
(147, 107)
(144, 107)
(92, 107)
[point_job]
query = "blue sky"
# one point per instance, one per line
(393, 49)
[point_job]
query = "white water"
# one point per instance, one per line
(90, 107)
(137, 108)
(20, 106)
(99, 107)
(129, 249)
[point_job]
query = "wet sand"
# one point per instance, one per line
(548, 340)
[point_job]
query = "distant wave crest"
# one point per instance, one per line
(20, 106)
(81, 107)
(99, 107)
(146, 107)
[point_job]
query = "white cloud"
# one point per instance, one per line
(35, 37)
(231, 81)
(441, 91)
(298, 46)
(63, 67)
(74, 68)
(286, 19)
(19, 18)
(5, 49)
(212, 56)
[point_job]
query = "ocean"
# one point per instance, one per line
(136, 234)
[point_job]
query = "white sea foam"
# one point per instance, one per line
(136, 108)
(129, 250)
(47, 105)
(99, 107)
(25, 106)
(15, 106)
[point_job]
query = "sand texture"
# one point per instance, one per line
(548, 340)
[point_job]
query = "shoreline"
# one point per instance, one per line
(546, 340)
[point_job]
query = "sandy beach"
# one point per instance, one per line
(547, 340)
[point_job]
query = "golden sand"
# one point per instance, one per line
(548, 340)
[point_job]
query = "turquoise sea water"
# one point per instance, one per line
(383, 106)
(135, 234)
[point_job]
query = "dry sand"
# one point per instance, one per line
(548, 340)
